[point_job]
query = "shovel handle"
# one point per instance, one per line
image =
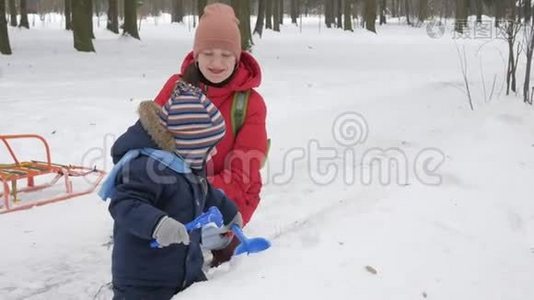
(239, 233)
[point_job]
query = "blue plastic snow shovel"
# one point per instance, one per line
(213, 215)
(252, 245)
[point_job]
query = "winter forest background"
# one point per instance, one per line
(512, 20)
(402, 137)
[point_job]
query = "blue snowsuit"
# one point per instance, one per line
(146, 191)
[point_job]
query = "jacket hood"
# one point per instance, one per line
(147, 132)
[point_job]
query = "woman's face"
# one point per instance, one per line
(216, 64)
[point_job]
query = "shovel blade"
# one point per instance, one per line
(253, 245)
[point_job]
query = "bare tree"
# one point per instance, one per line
(382, 12)
(529, 37)
(463, 65)
(12, 13)
(113, 16)
(394, 8)
(347, 15)
(261, 16)
(339, 13)
(130, 19)
(479, 10)
(242, 9)
(370, 15)
(527, 8)
(276, 16)
(461, 15)
(178, 11)
(68, 15)
(422, 11)
(23, 15)
(81, 11)
(499, 12)
(269, 14)
(89, 20)
(329, 13)
(281, 11)
(512, 29)
(200, 6)
(5, 48)
(407, 11)
(294, 11)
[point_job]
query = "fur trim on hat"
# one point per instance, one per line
(148, 115)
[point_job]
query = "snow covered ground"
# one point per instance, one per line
(449, 215)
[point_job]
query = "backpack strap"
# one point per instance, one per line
(239, 110)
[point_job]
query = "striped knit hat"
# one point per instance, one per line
(196, 124)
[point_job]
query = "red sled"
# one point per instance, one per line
(33, 172)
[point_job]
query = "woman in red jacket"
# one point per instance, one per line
(219, 67)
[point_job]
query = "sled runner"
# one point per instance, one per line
(40, 176)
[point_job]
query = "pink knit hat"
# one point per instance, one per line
(218, 28)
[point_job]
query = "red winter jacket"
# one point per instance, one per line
(236, 166)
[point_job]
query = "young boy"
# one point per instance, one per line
(152, 200)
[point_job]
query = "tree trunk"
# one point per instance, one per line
(407, 11)
(499, 12)
(113, 16)
(281, 11)
(510, 74)
(177, 11)
(242, 10)
(5, 48)
(23, 14)
(339, 15)
(81, 11)
(480, 10)
(294, 11)
(527, 96)
(97, 6)
(276, 16)
(200, 7)
(356, 11)
(68, 15)
(394, 9)
(370, 15)
(269, 14)
(89, 19)
(461, 15)
(382, 12)
(513, 28)
(423, 11)
(329, 13)
(528, 11)
(12, 13)
(130, 19)
(347, 15)
(121, 13)
(261, 16)
(446, 8)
